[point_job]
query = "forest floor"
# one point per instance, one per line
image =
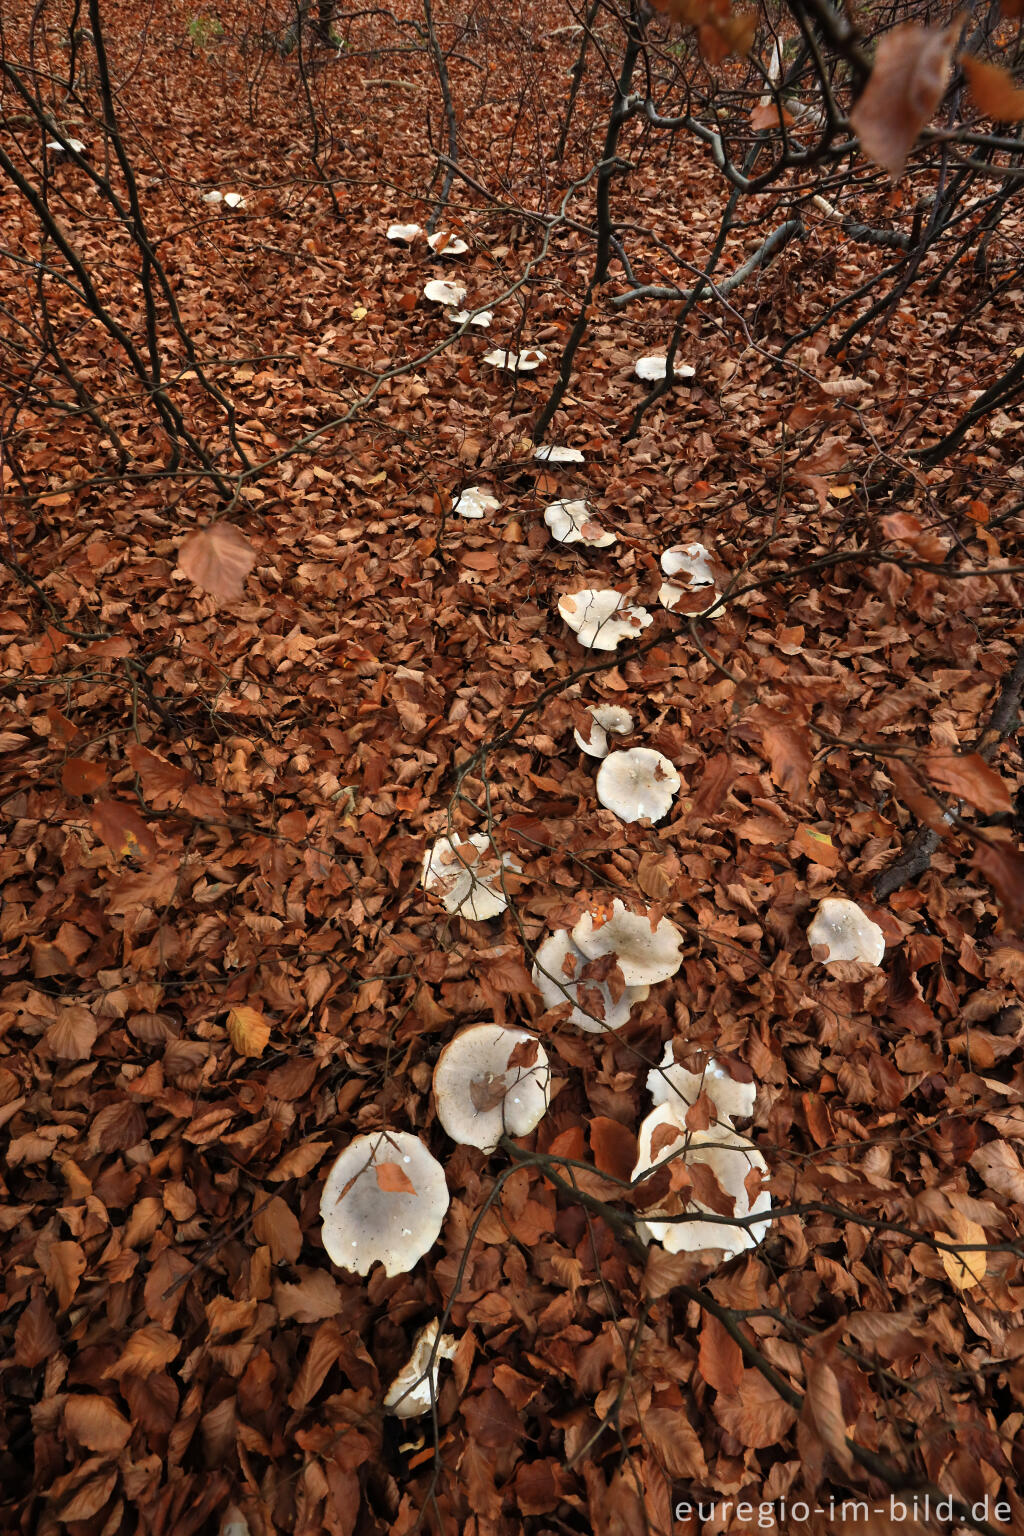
(219, 963)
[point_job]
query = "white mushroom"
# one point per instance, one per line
(465, 874)
(570, 523)
(558, 455)
(61, 146)
(646, 955)
(404, 232)
(460, 316)
(846, 932)
(446, 245)
(415, 1387)
(602, 617)
(729, 1157)
(673, 1085)
(637, 783)
(473, 502)
(384, 1199)
(691, 560)
(490, 1082)
(606, 717)
(234, 200)
(516, 362)
(213, 197)
(557, 975)
(653, 369)
(440, 292)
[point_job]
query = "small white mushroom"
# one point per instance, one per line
(415, 1387)
(213, 197)
(447, 245)
(646, 955)
(606, 717)
(729, 1157)
(473, 502)
(558, 455)
(570, 523)
(384, 1199)
(691, 560)
(464, 873)
(846, 932)
(557, 975)
(673, 1085)
(234, 200)
(61, 146)
(438, 291)
(516, 362)
(460, 316)
(653, 369)
(491, 1082)
(602, 617)
(638, 783)
(405, 232)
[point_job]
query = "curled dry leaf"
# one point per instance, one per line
(905, 88)
(218, 558)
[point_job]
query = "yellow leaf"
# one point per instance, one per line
(841, 492)
(248, 1031)
(359, 313)
(965, 1268)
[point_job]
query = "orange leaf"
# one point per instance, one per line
(72, 1034)
(95, 1422)
(766, 115)
(146, 1351)
(80, 777)
(218, 558)
(122, 829)
(906, 86)
(970, 778)
(393, 1179)
(1004, 867)
(720, 1359)
(613, 1146)
(248, 1031)
(992, 90)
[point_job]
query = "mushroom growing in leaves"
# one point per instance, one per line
(677, 1087)
(570, 523)
(465, 874)
(516, 362)
(645, 955)
(562, 973)
(61, 147)
(490, 1082)
(447, 245)
(234, 200)
(693, 561)
(846, 932)
(638, 783)
(384, 1199)
(653, 369)
(438, 291)
(404, 232)
(556, 455)
(715, 1172)
(473, 502)
(415, 1387)
(606, 717)
(601, 618)
(482, 318)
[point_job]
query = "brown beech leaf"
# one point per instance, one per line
(35, 1337)
(95, 1422)
(766, 115)
(277, 1225)
(79, 776)
(789, 754)
(823, 1410)
(1003, 866)
(218, 558)
(145, 1351)
(65, 1265)
(392, 1178)
(248, 1031)
(72, 1034)
(906, 85)
(965, 1268)
(613, 1146)
(970, 778)
(755, 1415)
(992, 90)
(123, 830)
(719, 1357)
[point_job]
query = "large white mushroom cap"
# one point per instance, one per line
(234, 200)
(557, 975)
(482, 318)
(415, 1387)
(730, 1157)
(846, 932)
(385, 1199)
(653, 369)
(691, 560)
(438, 291)
(571, 523)
(213, 197)
(447, 245)
(491, 1082)
(646, 955)
(602, 617)
(607, 717)
(555, 455)
(60, 145)
(464, 873)
(403, 231)
(516, 362)
(673, 1085)
(474, 502)
(637, 783)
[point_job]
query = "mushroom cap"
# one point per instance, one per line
(213, 197)
(556, 973)
(602, 617)
(607, 717)
(692, 560)
(364, 1222)
(446, 245)
(847, 932)
(646, 955)
(673, 1085)
(439, 291)
(556, 455)
(637, 783)
(482, 318)
(654, 368)
(403, 231)
(66, 144)
(234, 200)
(516, 362)
(481, 1095)
(450, 870)
(415, 1387)
(730, 1157)
(474, 502)
(570, 523)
